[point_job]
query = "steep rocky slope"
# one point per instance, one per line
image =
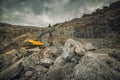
(11, 35)
(9, 32)
(100, 24)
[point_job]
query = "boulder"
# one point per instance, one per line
(52, 52)
(55, 73)
(35, 50)
(30, 61)
(115, 54)
(69, 48)
(60, 61)
(12, 71)
(41, 69)
(89, 47)
(46, 62)
(28, 73)
(10, 52)
(80, 51)
(31, 58)
(8, 59)
(95, 67)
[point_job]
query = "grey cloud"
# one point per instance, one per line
(43, 12)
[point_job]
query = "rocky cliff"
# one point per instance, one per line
(103, 23)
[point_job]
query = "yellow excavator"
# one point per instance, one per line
(33, 43)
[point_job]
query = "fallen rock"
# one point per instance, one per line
(69, 48)
(28, 73)
(41, 69)
(52, 52)
(60, 61)
(10, 52)
(115, 54)
(95, 67)
(46, 62)
(30, 61)
(55, 73)
(35, 50)
(11, 71)
(89, 47)
(80, 51)
(31, 58)
(8, 59)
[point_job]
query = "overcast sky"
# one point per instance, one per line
(44, 12)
